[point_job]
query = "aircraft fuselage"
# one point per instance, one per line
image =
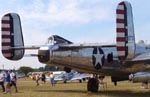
(94, 60)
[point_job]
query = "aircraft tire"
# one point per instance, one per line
(92, 85)
(67, 69)
(80, 80)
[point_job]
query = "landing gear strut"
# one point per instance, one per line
(92, 85)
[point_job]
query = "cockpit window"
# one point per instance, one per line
(50, 40)
(55, 39)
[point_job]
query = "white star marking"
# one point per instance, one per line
(98, 57)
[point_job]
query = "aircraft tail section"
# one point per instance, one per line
(125, 31)
(11, 36)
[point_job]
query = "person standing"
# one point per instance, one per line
(13, 80)
(52, 79)
(2, 79)
(101, 78)
(37, 78)
(8, 83)
(43, 77)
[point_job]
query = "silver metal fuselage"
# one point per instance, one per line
(81, 60)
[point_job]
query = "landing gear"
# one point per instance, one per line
(65, 81)
(92, 85)
(80, 80)
(67, 69)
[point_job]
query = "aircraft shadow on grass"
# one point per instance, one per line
(111, 93)
(64, 91)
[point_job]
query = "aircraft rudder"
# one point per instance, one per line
(11, 36)
(125, 31)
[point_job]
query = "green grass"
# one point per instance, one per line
(28, 88)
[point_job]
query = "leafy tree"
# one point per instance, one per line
(25, 69)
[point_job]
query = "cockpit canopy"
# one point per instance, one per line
(55, 39)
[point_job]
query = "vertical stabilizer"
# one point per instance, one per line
(125, 31)
(11, 36)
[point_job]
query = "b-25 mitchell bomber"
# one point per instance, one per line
(116, 60)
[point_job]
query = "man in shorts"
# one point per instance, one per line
(13, 79)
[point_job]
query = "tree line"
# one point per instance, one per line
(26, 69)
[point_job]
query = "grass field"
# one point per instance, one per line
(28, 88)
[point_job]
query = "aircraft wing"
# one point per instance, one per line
(85, 45)
(141, 57)
(22, 75)
(59, 77)
(81, 76)
(71, 76)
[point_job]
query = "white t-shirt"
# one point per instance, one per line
(2, 77)
(12, 76)
(51, 76)
(37, 77)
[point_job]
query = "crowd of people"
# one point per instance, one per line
(43, 78)
(10, 79)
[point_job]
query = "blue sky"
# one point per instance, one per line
(80, 21)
